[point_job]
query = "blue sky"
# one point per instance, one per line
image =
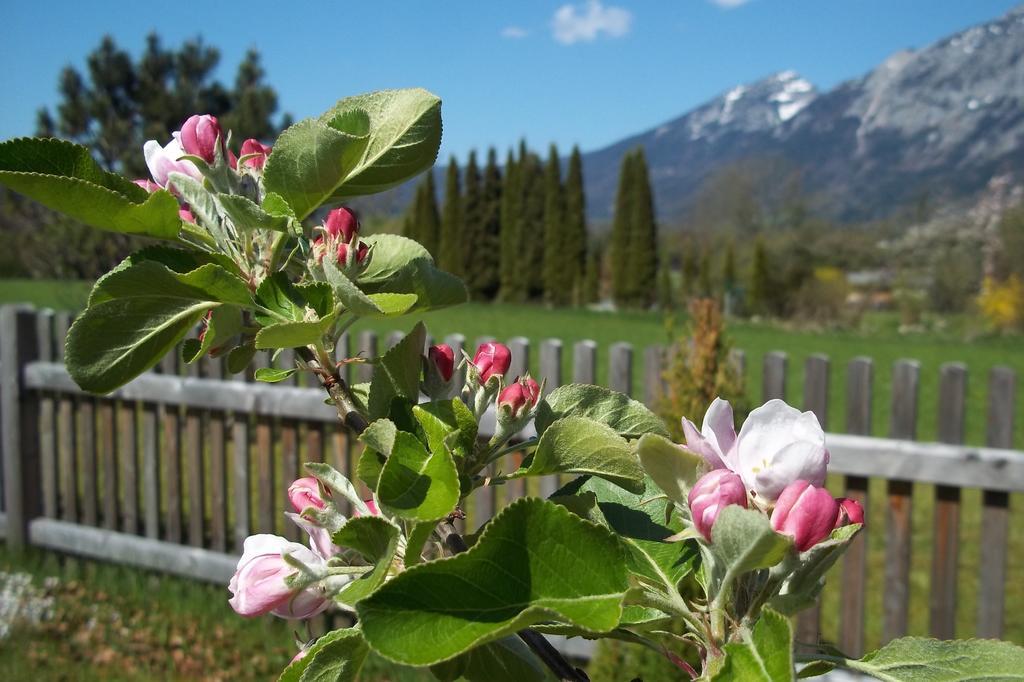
(584, 73)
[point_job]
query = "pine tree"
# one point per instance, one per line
(665, 297)
(592, 278)
(729, 280)
(531, 226)
(511, 243)
(621, 230)
(450, 247)
(574, 244)
(410, 221)
(760, 282)
(642, 263)
(554, 214)
(473, 228)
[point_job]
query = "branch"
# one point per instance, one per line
(538, 644)
(337, 389)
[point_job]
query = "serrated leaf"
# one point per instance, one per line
(272, 375)
(743, 540)
(247, 215)
(309, 163)
(391, 305)
(149, 278)
(293, 334)
(404, 129)
(416, 484)
(239, 358)
(443, 418)
(584, 446)
(398, 373)
(629, 418)
(224, 322)
(815, 668)
(336, 657)
(674, 469)
(506, 660)
(376, 540)
(65, 177)
(418, 537)
(285, 300)
(764, 655)
(338, 484)
(802, 586)
(432, 287)
(380, 435)
(369, 466)
(347, 293)
(534, 562)
(920, 659)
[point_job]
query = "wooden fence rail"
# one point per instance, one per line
(172, 471)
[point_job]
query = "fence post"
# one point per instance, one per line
(520, 365)
(584, 362)
(995, 508)
(903, 425)
(654, 367)
(774, 373)
(19, 417)
(66, 440)
(620, 368)
(47, 419)
(854, 592)
(367, 351)
(945, 543)
(551, 374)
(815, 400)
(457, 342)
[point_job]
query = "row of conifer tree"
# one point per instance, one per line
(519, 232)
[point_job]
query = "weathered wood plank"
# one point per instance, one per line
(128, 455)
(216, 436)
(654, 369)
(903, 425)
(620, 368)
(47, 418)
(520, 365)
(367, 351)
(266, 489)
(151, 469)
(946, 543)
(584, 362)
(816, 376)
(86, 409)
(859, 375)
(774, 375)
(551, 373)
(240, 476)
(67, 444)
(995, 509)
(108, 457)
(171, 456)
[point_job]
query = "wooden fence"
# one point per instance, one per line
(172, 471)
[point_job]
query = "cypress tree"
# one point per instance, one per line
(450, 248)
(428, 228)
(642, 263)
(554, 213)
(591, 289)
(729, 279)
(473, 237)
(574, 244)
(487, 254)
(665, 298)
(622, 220)
(760, 283)
(704, 275)
(411, 213)
(531, 226)
(511, 243)
(690, 269)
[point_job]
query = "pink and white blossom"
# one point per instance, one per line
(717, 437)
(162, 161)
(259, 584)
(777, 445)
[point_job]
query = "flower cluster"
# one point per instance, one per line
(285, 578)
(339, 241)
(777, 463)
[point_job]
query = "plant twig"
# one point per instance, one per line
(337, 389)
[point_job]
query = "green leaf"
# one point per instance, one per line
(584, 446)
(443, 418)
(743, 540)
(293, 334)
(65, 177)
(369, 466)
(139, 312)
(416, 484)
(337, 484)
(271, 375)
(247, 215)
(336, 657)
(277, 294)
(376, 540)
(764, 655)
(359, 303)
(239, 357)
(629, 418)
(919, 659)
(392, 305)
(404, 135)
(392, 253)
(815, 668)
(398, 373)
(506, 660)
(224, 323)
(674, 469)
(433, 288)
(802, 586)
(418, 537)
(534, 562)
(380, 435)
(309, 163)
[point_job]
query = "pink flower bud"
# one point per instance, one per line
(711, 493)
(520, 395)
(258, 585)
(305, 493)
(443, 358)
(164, 160)
(371, 505)
(200, 136)
(186, 215)
(341, 222)
(492, 359)
(362, 250)
(147, 184)
(805, 512)
(261, 151)
(850, 512)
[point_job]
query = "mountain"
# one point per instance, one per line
(941, 121)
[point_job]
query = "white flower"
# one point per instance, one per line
(717, 437)
(163, 161)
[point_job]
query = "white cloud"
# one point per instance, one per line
(730, 4)
(585, 22)
(514, 32)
